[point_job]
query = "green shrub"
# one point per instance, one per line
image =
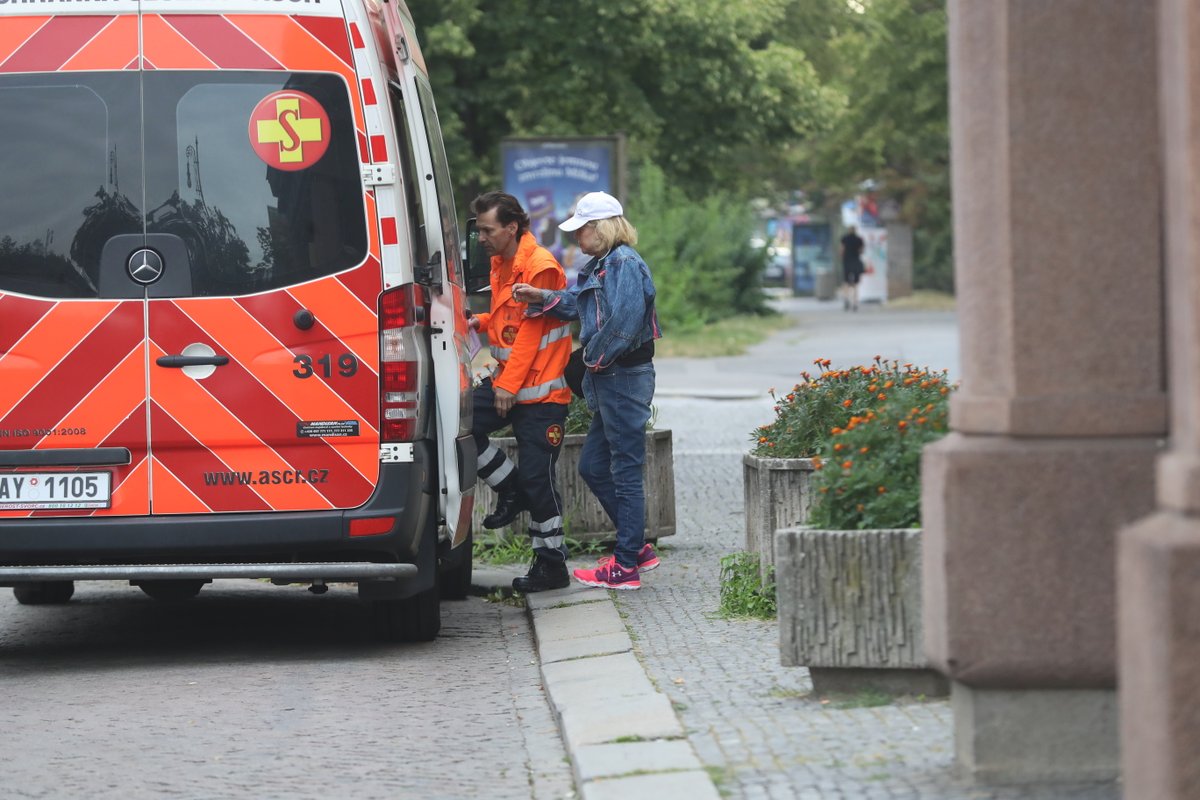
(744, 592)
(805, 416)
(699, 253)
(864, 427)
(868, 473)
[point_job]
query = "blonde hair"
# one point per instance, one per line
(614, 231)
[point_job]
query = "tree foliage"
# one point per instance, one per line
(749, 97)
(694, 84)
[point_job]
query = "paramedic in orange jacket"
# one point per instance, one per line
(527, 388)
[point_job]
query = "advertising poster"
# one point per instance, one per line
(873, 288)
(549, 175)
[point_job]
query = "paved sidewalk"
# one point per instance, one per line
(755, 727)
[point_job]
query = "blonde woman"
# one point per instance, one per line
(614, 303)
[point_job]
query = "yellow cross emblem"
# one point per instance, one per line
(289, 130)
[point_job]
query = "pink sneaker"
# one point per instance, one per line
(646, 561)
(610, 576)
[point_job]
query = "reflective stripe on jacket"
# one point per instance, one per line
(531, 352)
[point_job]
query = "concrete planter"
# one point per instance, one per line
(850, 609)
(583, 517)
(778, 495)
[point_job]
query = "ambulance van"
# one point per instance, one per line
(233, 338)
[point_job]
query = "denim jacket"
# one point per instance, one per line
(614, 303)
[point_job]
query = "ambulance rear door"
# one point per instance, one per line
(263, 328)
(73, 411)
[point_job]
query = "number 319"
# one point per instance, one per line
(347, 365)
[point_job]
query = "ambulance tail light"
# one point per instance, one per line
(400, 348)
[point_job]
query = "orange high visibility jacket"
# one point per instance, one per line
(531, 352)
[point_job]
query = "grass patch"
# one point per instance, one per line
(923, 300)
(506, 598)
(727, 337)
(867, 698)
(502, 547)
(744, 595)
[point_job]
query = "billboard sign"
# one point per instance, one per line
(548, 176)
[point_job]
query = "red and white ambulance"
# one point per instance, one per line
(232, 329)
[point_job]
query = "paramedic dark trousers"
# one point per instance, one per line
(538, 428)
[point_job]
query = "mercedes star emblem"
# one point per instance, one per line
(145, 266)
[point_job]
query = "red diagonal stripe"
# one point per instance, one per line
(57, 41)
(79, 373)
(17, 316)
(132, 434)
(275, 313)
(365, 283)
(189, 459)
(221, 42)
(331, 32)
(260, 411)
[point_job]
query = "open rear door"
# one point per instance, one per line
(449, 331)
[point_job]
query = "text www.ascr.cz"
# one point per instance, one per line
(266, 477)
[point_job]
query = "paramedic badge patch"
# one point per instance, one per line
(554, 435)
(509, 334)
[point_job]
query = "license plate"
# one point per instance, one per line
(37, 490)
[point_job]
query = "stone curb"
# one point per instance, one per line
(621, 734)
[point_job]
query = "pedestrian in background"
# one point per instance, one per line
(852, 268)
(527, 389)
(614, 303)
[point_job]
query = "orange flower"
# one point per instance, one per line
(944, 390)
(839, 447)
(770, 444)
(835, 431)
(847, 464)
(847, 402)
(762, 439)
(889, 384)
(881, 396)
(882, 490)
(859, 508)
(922, 420)
(872, 388)
(902, 424)
(824, 490)
(863, 450)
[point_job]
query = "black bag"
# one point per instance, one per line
(574, 372)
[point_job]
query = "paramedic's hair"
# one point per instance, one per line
(508, 209)
(614, 231)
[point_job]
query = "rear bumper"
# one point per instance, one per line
(303, 545)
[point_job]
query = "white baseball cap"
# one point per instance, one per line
(592, 206)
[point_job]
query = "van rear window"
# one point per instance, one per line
(257, 173)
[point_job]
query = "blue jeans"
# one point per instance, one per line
(612, 457)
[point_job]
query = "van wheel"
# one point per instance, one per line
(413, 619)
(172, 591)
(46, 593)
(456, 579)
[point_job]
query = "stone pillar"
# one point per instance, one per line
(1055, 158)
(1159, 558)
(899, 260)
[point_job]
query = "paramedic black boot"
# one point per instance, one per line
(508, 505)
(543, 575)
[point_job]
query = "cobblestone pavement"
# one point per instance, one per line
(260, 691)
(754, 723)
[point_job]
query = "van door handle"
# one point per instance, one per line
(192, 361)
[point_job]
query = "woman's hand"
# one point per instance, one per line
(524, 293)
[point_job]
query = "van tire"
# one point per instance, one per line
(46, 593)
(456, 578)
(412, 619)
(172, 591)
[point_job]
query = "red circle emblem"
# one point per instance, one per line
(509, 334)
(289, 130)
(554, 435)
